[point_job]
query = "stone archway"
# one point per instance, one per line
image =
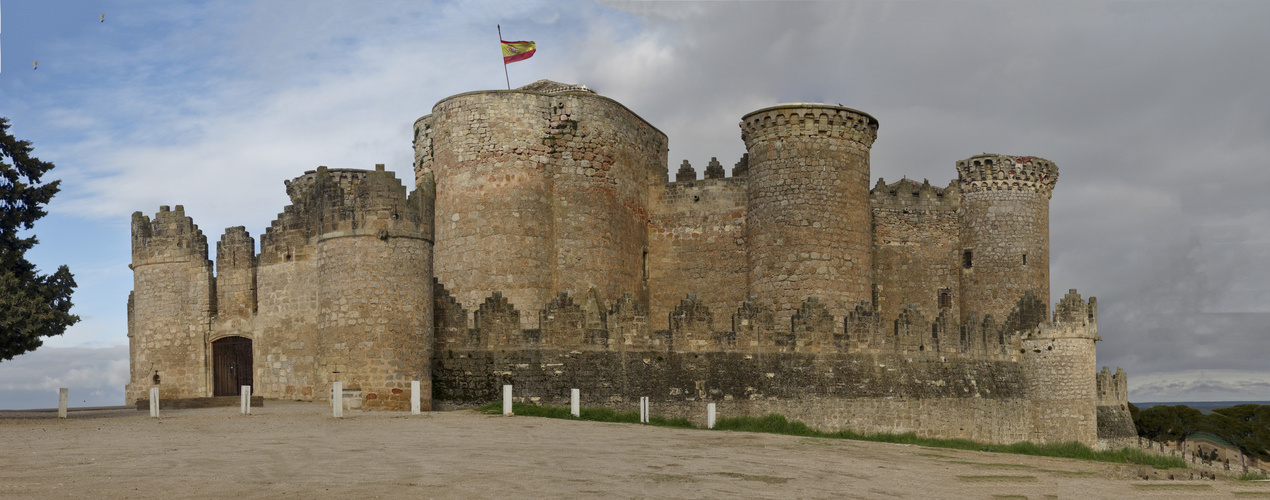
(231, 365)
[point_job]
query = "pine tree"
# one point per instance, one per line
(32, 306)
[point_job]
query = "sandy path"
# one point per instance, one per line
(294, 450)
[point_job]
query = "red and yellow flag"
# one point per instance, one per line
(517, 51)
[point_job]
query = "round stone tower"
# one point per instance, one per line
(1005, 231)
(374, 280)
(1060, 363)
(540, 189)
(809, 225)
(171, 303)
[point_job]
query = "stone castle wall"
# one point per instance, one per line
(979, 400)
(916, 248)
(933, 386)
(697, 245)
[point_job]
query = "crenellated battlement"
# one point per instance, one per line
(236, 249)
(995, 172)
(341, 202)
(170, 237)
(809, 120)
(1113, 389)
(587, 323)
(908, 194)
(686, 175)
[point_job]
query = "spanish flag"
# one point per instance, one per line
(517, 51)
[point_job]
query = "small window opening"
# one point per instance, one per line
(967, 258)
(645, 265)
(945, 300)
(1025, 259)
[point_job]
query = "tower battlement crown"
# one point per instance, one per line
(908, 193)
(810, 120)
(347, 201)
(995, 172)
(170, 237)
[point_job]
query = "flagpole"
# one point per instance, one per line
(500, 52)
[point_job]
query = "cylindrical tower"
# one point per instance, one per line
(809, 226)
(539, 189)
(170, 307)
(1059, 361)
(374, 283)
(1005, 231)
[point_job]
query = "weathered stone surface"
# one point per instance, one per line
(545, 246)
(342, 291)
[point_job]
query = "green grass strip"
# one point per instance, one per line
(778, 424)
(600, 414)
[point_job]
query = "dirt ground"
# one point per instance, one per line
(296, 450)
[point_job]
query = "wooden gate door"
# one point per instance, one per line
(231, 365)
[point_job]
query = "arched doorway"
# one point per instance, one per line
(231, 365)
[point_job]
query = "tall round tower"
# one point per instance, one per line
(374, 287)
(171, 304)
(540, 189)
(809, 225)
(1005, 231)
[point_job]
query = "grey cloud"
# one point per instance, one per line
(94, 377)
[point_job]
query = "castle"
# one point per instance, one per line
(545, 246)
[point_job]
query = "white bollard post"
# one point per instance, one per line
(154, 402)
(575, 403)
(507, 400)
(710, 416)
(643, 410)
(62, 396)
(414, 397)
(337, 399)
(244, 400)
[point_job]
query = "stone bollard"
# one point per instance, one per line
(337, 399)
(643, 410)
(507, 400)
(575, 403)
(244, 400)
(710, 416)
(62, 395)
(414, 397)
(154, 402)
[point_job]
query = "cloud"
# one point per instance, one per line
(1202, 385)
(1155, 113)
(94, 377)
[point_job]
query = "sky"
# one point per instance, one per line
(1157, 114)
